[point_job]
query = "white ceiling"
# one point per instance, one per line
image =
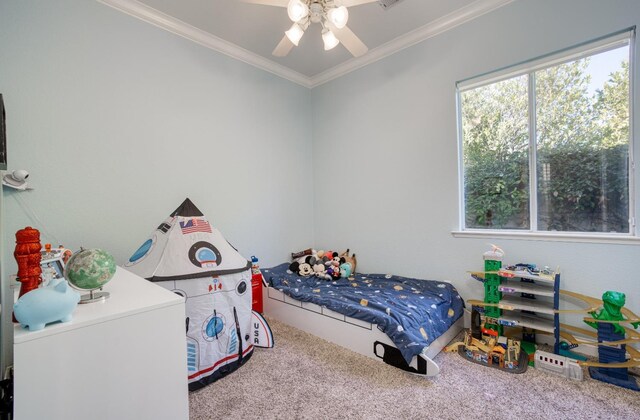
(250, 32)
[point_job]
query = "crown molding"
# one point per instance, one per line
(431, 29)
(155, 17)
(169, 23)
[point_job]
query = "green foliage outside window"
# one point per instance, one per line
(582, 148)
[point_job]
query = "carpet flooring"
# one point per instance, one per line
(305, 377)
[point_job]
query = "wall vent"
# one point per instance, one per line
(385, 4)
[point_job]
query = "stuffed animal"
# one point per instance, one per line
(351, 260)
(346, 270)
(294, 267)
(302, 268)
(316, 261)
(55, 302)
(331, 259)
(333, 272)
(328, 256)
(328, 265)
(313, 259)
(340, 265)
(318, 268)
(333, 263)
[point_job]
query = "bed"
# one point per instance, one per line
(402, 321)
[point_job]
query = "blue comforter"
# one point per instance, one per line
(411, 312)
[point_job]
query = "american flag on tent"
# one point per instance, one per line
(195, 225)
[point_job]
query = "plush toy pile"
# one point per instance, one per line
(328, 265)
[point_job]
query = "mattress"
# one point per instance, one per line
(412, 312)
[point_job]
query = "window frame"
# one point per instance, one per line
(619, 39)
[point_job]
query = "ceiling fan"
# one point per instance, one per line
(331, 14)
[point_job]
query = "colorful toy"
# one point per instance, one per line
(188, 255)
(558, 365)
(510, 299)
(321, 256)
(333, 265)
(565, 350)
(318, 268)
(612, 339)
(333, 256)
(493, 262)
(328, 265)
(613, 302)
(315, 259)
(334, 272)
(333, 262)
(346, 270)
(607, 322)
(45, 305)
(488, 351)
(488, 344)
(350, 261)
(302, 268)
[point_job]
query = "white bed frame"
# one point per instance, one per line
(351, 333)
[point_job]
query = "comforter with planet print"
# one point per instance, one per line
(412, 312)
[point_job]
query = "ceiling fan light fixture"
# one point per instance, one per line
(338, 16)
(297, 10)
(295, 33)
(329, 39)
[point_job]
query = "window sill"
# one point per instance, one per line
(620, 239)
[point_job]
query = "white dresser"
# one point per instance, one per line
(123, 358)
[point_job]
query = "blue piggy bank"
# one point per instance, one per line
(42, 306)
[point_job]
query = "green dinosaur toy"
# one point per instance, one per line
(613, 302)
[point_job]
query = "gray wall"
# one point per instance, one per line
(118, 121)
(385, 152)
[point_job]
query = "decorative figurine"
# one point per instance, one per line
(607, 322)
(27, 255)
(45, 305)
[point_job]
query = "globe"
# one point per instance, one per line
(90, 269)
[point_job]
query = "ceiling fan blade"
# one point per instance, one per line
(350, 41)
(277, 3)
(349, 3)
(283, 48)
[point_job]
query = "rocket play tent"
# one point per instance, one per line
(190, 257)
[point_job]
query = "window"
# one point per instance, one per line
(546, 146)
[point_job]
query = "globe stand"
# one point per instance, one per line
(94, 296)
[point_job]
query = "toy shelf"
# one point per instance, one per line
(549, 279)
(539, 298)
(513, 303)
(513, 286)
(514, 319)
